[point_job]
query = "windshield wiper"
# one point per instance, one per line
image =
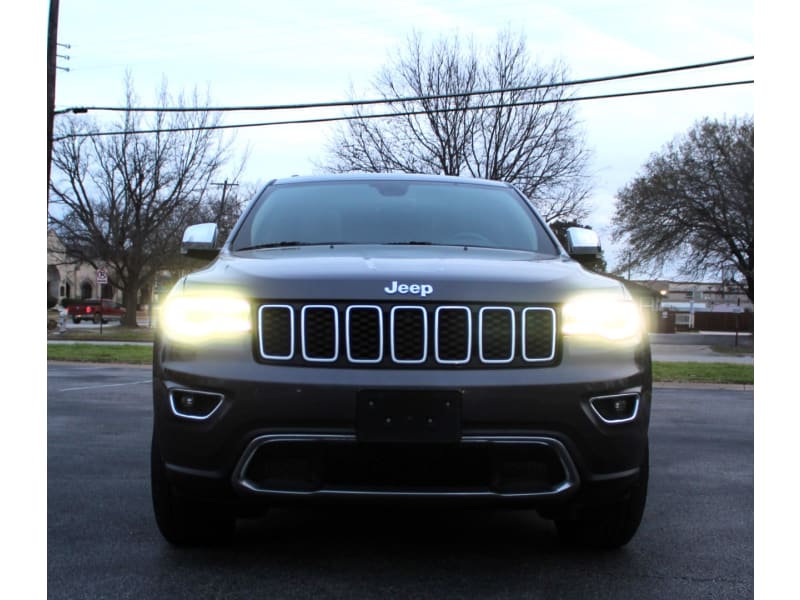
(290, 244)
(284, 244)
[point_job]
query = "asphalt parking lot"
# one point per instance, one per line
(696, 540)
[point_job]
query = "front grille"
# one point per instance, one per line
(332, 465)
(399, 335)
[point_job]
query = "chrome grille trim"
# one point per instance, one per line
(304, 337)
(481, 340)
(437, 354)
(241, 480)
(348, 334)
(552, 337)
(263, 353)
(393, 337)
(403, 335)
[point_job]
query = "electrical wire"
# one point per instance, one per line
(405, 113)
(354, 103)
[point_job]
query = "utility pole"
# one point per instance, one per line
(225, 185)
(52, 56)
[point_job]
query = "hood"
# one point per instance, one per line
(416, 274)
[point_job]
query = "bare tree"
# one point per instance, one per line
(528, 137)
(694, 203)
(121, 201)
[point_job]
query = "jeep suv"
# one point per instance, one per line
(398, 338)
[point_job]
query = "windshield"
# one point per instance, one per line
(392, 212)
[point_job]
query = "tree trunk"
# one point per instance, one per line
(131, 298)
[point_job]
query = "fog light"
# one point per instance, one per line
(616, 409)
(193, 404)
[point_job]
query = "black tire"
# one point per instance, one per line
(76, 320)
(612, 525)
(182, 521)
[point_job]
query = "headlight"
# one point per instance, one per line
(202, 317)
(604, 316)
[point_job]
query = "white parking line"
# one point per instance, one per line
(97, 387)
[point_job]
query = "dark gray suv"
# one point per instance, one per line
(398, 338)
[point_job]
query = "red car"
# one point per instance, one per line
(92, 310)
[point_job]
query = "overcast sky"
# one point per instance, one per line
(255, 53)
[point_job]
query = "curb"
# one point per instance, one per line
(683, 385)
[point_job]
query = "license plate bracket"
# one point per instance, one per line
(408, 416)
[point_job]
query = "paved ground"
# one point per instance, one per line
(696, 353)
(701, 347)
(696, 540)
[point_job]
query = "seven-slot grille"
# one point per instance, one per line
(397, 335)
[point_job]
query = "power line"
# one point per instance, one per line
(353, 103)
(408, 113)
(64, 56)
(52, 51)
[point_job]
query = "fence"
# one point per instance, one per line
(667, 321)
(711, 321)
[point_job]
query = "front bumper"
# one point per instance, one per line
(285, 433)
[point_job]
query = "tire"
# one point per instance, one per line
(76, 320)
(182, 521)
(611, 525)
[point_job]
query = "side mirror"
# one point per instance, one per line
(582, 242)
(199, 241)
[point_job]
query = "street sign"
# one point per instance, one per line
(102, 276)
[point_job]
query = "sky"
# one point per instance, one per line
(243, 52)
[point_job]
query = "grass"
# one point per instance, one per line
(101, 353)
(671, 372)
(110, 334)
(690, 372)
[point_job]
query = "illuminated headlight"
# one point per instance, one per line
(202, 317)
(609, 318)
